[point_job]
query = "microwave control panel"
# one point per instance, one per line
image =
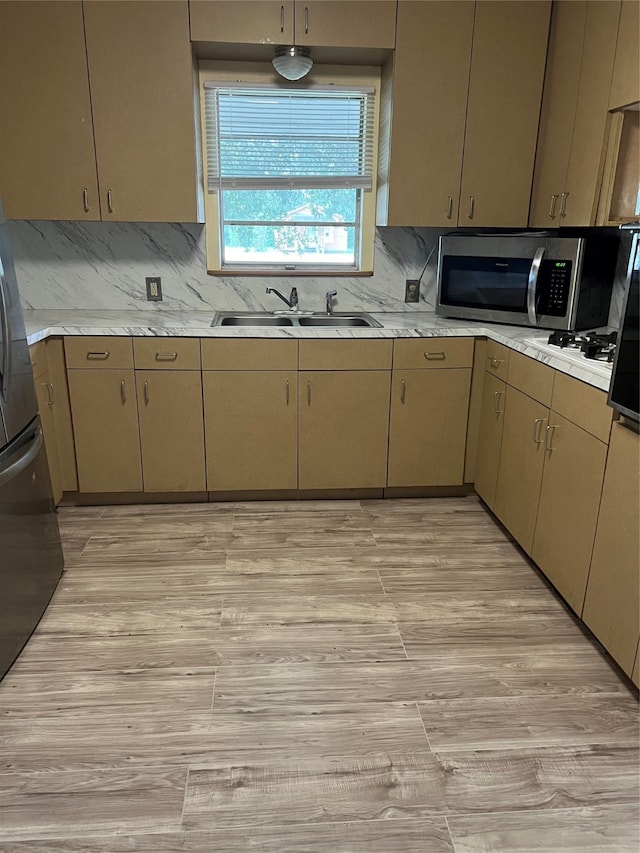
(554, 286)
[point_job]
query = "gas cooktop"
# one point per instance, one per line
(593, 350)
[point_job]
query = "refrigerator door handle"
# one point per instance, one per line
(28, 454)
(6, 338)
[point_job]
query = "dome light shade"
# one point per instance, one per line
(292, 63)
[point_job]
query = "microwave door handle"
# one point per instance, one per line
(6, 337)
(532, 286)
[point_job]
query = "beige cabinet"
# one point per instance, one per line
(429, 410)
(44, 395)
(612, 606)
(47, 157)
(625, 85)
(470, 161)
(490, 438)
(61, 410)
(573, 122)
(348, 23)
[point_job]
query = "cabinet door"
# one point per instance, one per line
(141, 74)
(47, 158)
(344, 429)
(568, 510)
(430, 81)
(428, 427)
(521, 464)
(251, 425)
(505, 88)
(105, 425)
(490, 438)
(171, 430)
(625, 86)
(612, 607)
(62, 414)
(242, 21)
(345, 23)
(44, 394)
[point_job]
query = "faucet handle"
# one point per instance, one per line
(331, 293)
(293, 296)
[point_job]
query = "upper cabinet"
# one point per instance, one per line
(625, 86)
(465, 90)
(573, 121)
(352, 23)
(135, 158)
(47, 158)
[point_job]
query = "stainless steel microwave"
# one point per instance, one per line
(528, 279)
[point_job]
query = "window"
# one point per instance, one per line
(290, 176)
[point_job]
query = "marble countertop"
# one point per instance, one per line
(42, 324)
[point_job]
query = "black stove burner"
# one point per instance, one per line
(594, 345)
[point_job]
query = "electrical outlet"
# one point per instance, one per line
(154, 288)
(412, 290)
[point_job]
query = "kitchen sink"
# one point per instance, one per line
(301, 320)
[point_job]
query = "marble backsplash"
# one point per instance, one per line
(103, 265)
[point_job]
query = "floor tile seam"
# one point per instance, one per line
(427, 815)
(96, 835)
(319, 547)
(518, 745)
(400, 637)
(424, 728)
(451, 838)
(134, 769)
(563, 810)
(213, 691)
(384, 591)
(600, 694)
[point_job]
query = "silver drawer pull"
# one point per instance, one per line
(51, 392)
(495, 362)
(109, 201)
(146, 392)
(403, 390)
(85, 200)
(496, 403)
(123, 392)
(472, 204)
(549, 438)
(98, 356)
(449, 207)
(537, 429)
(286, 392)
(166, 356)
(308, 393)
(552, 207)
(434, 356)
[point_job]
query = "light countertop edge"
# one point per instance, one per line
(42, 324)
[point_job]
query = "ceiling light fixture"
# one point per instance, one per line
(293, 62)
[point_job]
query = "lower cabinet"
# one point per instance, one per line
(62, 414)
(612, 603)
(105, 423)
(490, 438)
(251, 419)
(44, 394)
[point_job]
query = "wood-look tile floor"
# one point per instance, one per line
(313, 677)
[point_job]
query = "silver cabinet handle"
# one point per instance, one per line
(97, 356)
(563, 205)
(286, 391)
(166, 356)
(51, 392)
(403, 390)
(549, 438)
(123, 392)
(537, 429)
(109, 201)
(495, 362)
(306, 19)
(496, 402)
(145, 388)
(552, 208)
(308, 393)
(472, 204)
(434, 356)
(85, 200)
(281, 19)
(449, 207)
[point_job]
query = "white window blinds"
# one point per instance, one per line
(262, 137)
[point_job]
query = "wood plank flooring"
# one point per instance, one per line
(311, 677)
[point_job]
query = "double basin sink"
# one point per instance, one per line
(295, 319)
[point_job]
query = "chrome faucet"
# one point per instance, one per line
(292, 301)
(329, 296)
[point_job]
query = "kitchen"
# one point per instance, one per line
(82, 283)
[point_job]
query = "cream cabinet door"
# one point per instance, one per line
(105, 425)
(251, 425)
(171, 430)
(345, 23)
(568, 510)
(242, 21)
(47, 156)
(62, 414)
(44, 394)
(141, 75)
(612, 603)
(521, 464)
(430, 78)
(490, 438)
(625, 86)
(344, 429)
(428, 427)
(505, 89)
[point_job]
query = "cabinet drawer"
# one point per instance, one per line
(531, 377)
(497, 363)
(249, 354)
(433, 352)
(166, 353)
(582, 405)
(38, 358)
(346, 355)
(97, 352)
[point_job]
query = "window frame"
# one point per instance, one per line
(251, 73)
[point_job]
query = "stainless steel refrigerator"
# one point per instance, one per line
(31, 560)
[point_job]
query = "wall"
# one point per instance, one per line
(103, 265)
